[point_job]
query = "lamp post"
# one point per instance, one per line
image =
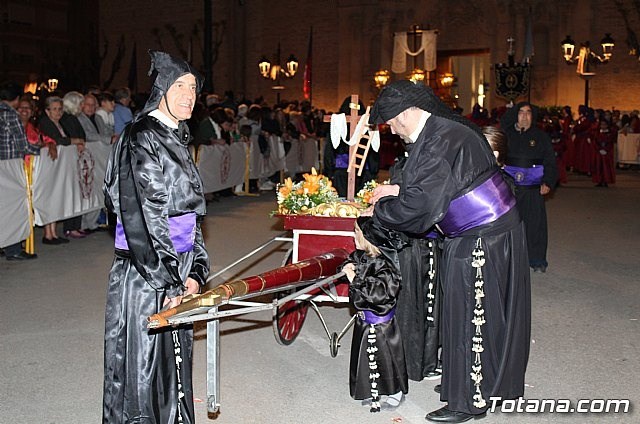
(274, 71)
(417, 74)
(587, 59)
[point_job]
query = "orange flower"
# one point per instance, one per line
(367, 196)
(311, 183)
(286, 188)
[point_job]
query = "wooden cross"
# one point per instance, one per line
(352, 119)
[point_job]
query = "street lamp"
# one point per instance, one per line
(587, 59)
(381, 78)
(274, 71)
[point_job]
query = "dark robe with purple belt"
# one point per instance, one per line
(451, 175)
(377, 365)
(154, 188)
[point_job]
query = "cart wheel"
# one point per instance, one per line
(288, 319)
(334, 345)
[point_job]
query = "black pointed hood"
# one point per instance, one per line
(166, 70)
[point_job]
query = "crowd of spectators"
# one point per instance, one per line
(73, 119)
(583, 144)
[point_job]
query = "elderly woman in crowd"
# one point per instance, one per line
(51, 125)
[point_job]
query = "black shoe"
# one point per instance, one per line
(444, 415)
(437, 388)
(22, 256)
(433, 375)
(55, 240)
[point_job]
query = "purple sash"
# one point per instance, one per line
(526, 176)
(371, 318)
(432, 235)
(342, 160)
(482, 205)
(182, 231)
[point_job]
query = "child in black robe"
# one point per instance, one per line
(377, 366)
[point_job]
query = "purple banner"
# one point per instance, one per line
(482, 205)
(526, 176)
(182, 231)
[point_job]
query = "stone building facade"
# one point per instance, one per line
(352, 39)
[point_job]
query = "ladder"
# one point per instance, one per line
(358, 159)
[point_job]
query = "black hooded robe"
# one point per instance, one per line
(527, 149)
(418, 306)
(375, 288)
(150, 179)
(447, 160)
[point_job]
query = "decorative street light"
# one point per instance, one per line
(381, 78)
(587, 59)
(274, 71)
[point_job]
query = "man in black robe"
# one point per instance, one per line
(532, 164)
(154, 188)
(451, 179)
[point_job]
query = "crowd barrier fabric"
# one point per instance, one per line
(629, 148)
(14, 203)
(66, 187)
(221, 166)
(302, 156)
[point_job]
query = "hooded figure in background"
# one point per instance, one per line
(336, 160)
(154, 188)
(531, 163)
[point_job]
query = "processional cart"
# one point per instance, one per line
(323, 237)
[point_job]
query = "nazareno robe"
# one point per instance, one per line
(375, 289)
(603, 150)
(150, 178)
(418, 306)
(446, 161)
(525, 149)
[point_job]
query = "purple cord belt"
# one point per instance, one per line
(371, 318)
(182, 232)
(482, 205)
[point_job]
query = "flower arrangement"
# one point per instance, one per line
(364, 195)
(302, 197)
